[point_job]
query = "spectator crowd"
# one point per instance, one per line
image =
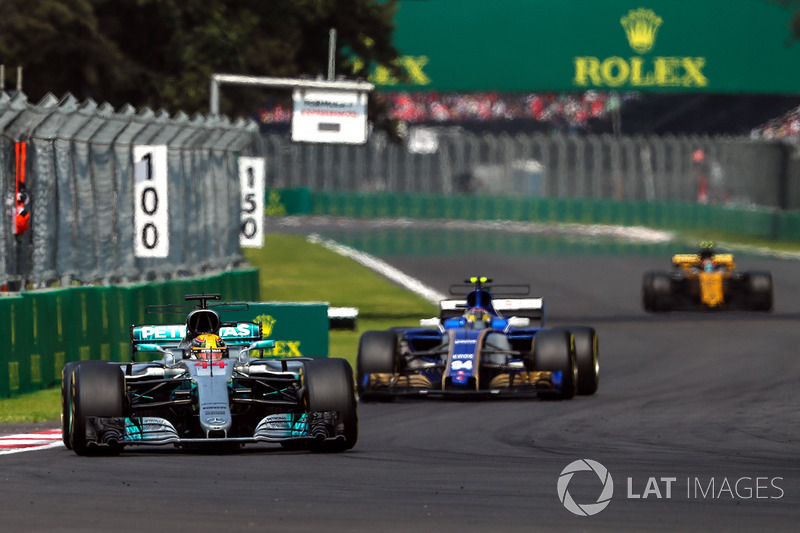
(569, 112)
(787, 125)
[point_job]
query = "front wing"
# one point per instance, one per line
(274, 428)
(505, 384)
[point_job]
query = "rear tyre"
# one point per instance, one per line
(554, 351)
(760, 291)
(377, 354)
(97, 390)
(586, 358)
(66, 402)
(329, 387)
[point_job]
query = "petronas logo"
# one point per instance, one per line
(641, 26)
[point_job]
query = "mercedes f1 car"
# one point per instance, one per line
(706, 280)
(492, 342)
(212, 386)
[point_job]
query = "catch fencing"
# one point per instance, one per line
(451, 160)
(80, 166)
(77, 163)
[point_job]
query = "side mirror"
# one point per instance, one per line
(169, 357)
(257, 345)
(261, 345)
(519, 322)
(150, 348)
(429, 322)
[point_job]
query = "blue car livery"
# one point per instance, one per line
(492, 342)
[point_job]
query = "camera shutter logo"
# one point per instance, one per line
(585, 465)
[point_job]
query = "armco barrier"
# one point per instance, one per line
(47, 328)
(753, 222)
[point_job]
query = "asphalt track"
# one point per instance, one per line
(695, 419)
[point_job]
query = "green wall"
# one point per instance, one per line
(47, 328)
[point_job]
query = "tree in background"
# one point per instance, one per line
(59, 46)
(161, 53)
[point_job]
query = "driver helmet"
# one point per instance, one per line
(478, 318)
(707, 256)
(209, 347)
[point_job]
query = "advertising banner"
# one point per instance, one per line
(744, 46)
(329, 116)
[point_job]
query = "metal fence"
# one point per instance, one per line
(452, 160)
(80, 176)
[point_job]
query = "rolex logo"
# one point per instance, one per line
(641, 26)
(267, 323)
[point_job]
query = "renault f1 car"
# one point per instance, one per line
(706, 281)
(231, 398)
(491, 343)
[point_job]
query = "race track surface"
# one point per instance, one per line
(695, 420)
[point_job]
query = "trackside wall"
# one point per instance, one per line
(47, 328)
(753, 222)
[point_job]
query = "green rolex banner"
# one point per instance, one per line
(742, 46)
(298, 329)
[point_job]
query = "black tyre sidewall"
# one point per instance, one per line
(98, 389)
(377, 354)
(553, 350)
(586, 358)
(647, 292)
(662, 292)
(329, 387)
(760, 291)
(66, 402)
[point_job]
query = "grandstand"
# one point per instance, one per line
(590, 112)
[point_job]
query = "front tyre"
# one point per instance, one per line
(554, 351)
(586, 358)
(377, 354)
(97, 390)
(66, 402)
(657, 292)
(760, 291)
(329, 387)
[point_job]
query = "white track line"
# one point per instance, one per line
(381, 267)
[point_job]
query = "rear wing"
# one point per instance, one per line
(170, 335)
(531, 308)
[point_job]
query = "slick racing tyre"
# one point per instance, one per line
(656, 292)
(759, 291)
(647, 291)
(329, 387)
(586, 358)
(66, 401)
(97, 389)
(377, 354)
(554, 351)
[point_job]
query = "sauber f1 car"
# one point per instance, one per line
(491, 343)
(211, 387)
(706, 280)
